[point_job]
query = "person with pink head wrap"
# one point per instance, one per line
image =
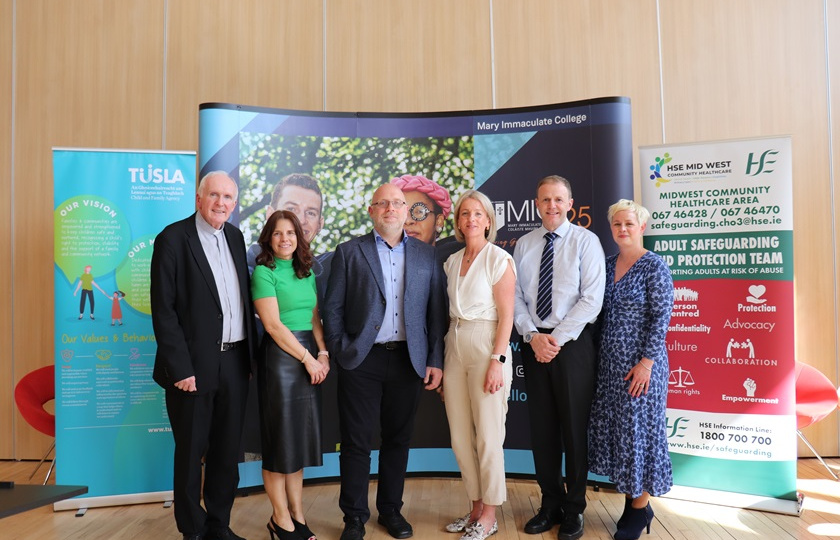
(428, 206)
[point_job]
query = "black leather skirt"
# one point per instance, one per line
(290, 408)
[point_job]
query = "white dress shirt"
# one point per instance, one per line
(577, 286)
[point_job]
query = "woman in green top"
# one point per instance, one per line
(292, 363)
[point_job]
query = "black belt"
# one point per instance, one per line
(230, 345)
(391, 345)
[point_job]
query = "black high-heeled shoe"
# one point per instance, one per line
(282, 534)
(628, 505)
(637, 520)
(303, 531)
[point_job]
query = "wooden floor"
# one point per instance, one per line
(431, 502)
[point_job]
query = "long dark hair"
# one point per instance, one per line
(301, 258)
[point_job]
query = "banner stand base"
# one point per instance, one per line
(113, 500)
(738, 500)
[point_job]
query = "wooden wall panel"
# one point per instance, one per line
(833, 49)
(8, 417)
(551, 51)
(89, 74)
(408, 56)
(131, 74)
(758, 68)
(251, 52)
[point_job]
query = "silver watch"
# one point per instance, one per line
(528, 337)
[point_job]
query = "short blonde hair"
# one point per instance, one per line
(641, 212)
(488, 209)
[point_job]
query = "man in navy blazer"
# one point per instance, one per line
(384, 319)
(204, 327)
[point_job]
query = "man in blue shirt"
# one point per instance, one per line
(384, 319)
(559, 291)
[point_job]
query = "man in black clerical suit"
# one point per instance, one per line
(204, 327)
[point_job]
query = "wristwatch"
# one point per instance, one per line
(500, 357)
(528, 337)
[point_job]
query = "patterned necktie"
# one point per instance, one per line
(546, 277)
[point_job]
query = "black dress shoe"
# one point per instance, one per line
(543, 521)
(397, 526)
(222, 534)
(354, 529)
(571, 528)
(191, 536)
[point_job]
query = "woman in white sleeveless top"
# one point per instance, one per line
(477, 367)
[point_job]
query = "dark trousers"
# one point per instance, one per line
(559, 399)
(86, 295)
(208, 425)
(384, 388)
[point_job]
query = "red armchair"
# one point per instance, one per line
(816, 398)
(32, 392)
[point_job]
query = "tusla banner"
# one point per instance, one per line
(112, 430)
(721, 217)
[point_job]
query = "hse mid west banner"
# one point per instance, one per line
(112, 431)
(721, 217)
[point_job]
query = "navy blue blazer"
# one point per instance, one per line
(354, 304)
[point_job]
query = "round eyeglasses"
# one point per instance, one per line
(419, 211)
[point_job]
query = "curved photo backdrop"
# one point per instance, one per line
(503, 153)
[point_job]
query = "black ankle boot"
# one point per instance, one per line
(637, 520)
(628, 505)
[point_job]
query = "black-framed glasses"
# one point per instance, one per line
(419, 211)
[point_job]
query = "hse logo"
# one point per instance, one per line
(677, 427)
(657, 169)
(762, 162)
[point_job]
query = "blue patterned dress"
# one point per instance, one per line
(627, 436)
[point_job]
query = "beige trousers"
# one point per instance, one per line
(476, 418)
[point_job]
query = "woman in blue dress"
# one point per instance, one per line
(627, 433)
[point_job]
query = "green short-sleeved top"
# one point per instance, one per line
(295, 297)
(87, 282)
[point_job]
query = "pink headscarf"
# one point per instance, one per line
(437, 193)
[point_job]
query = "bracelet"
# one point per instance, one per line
(303, 356)
(644, 366)
(324, 353)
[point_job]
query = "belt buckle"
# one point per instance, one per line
(226, 346)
